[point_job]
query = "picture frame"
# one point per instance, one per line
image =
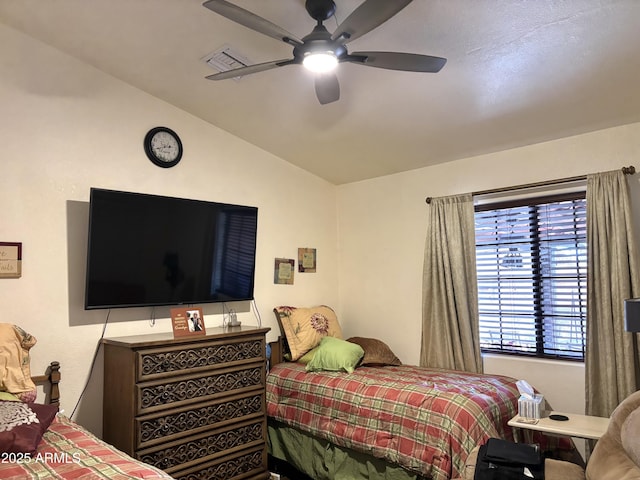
(307, 260)
(187, 322)
(10, 259)
(283, 271)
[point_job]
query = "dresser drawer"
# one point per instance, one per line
(178, 391)
(156, 363)
(166, 426)
(251, 464)
(208, 446)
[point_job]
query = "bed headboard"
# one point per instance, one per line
(50, 381)
(279, 348)
(277, 351)
(282, 340)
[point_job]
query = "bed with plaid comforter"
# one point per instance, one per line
(69, 452)
(424, 420)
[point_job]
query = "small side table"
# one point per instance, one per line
(580, 426)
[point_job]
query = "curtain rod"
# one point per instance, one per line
(630, 170)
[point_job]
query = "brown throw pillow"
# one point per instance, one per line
(376, 352)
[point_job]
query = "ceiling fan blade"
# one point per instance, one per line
(410, 62)
(368, 16)
(327, 88)
(251, 20)
(248, 70)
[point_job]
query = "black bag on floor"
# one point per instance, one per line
(503, 460)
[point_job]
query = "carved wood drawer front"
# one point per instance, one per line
(174, 392)
(166, 426)
(229, 468)
(162, 362)
(207, 446)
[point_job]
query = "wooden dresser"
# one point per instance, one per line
(192, 406)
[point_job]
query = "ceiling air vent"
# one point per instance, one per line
(225, 58)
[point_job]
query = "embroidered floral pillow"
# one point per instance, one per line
(305, 327)
(23, 424)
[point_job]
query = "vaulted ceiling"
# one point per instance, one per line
(518, 72)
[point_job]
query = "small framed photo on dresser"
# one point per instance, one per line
(187, 322)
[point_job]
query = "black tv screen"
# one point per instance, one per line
(147, 250)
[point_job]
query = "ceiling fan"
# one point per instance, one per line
(321, 51)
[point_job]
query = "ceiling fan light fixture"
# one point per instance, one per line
(320, 51)
(320, 62)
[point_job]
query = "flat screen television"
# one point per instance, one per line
(150, 250)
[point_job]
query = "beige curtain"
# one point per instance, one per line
(612, 371)
(450, 295)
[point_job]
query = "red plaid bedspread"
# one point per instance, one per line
(425, 420)
(69, 452)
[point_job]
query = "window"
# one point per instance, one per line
(531, 260)
(234, 268)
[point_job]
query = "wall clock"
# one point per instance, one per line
(163, 147)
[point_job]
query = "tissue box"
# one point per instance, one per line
(531, 407)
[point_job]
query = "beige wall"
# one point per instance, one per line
(381, 224)
(66, 127)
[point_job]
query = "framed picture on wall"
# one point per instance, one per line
(10, 260)
(283, 271)
(307, 260)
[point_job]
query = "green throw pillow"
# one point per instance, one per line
(306, 358)
(335, 354)
(8, 396)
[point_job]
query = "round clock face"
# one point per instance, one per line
(163, 147)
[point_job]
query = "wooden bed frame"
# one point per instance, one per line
(278, 349)
(50, 381)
